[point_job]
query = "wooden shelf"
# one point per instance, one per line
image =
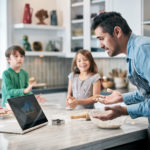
(77, 4)
(39, 27)
(42, 54)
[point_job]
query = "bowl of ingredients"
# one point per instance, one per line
(109, 124)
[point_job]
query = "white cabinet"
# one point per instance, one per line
(78, 26)
(42, 33)
(136, 12)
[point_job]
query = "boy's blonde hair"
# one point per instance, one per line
(93, 67)
(13, 49)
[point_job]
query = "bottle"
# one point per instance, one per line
(53, 17)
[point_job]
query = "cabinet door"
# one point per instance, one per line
(96, 7)
(77, 25)
(131, 10)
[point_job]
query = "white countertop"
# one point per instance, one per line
(74, 134)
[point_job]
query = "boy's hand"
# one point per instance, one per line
(40, 99)
(28, 89)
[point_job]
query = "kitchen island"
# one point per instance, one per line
(74, 134)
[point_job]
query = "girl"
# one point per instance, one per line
(84, 81)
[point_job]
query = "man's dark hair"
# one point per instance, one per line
(108, 20)
(13, 49)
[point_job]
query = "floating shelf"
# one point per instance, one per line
(97, 55)
(77, 38)
(77, 21)
(42, 54)
(34, 26)
(146, 22)
(77, 4)
(93, 37)
(97, 1)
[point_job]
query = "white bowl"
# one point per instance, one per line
(109, 124)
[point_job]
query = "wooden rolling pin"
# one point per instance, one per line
(83, 115)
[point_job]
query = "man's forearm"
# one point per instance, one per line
(132, 98)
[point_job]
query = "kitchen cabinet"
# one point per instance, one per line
(42, 33)
(136, 12)
(79, 14)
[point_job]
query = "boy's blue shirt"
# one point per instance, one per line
(138, 54)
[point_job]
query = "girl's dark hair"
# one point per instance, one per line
(93, 67)
(13, 49)
(108, 20)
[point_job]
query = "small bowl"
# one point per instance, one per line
(109, 124)
(107, 84)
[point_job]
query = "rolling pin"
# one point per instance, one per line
(83, 115)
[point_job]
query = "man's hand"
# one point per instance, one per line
(115, 97)
(113, 112)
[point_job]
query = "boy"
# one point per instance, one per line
(15, 79)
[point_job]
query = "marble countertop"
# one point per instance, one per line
(74, 134)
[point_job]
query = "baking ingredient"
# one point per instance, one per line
(32, 80)
(109, 124)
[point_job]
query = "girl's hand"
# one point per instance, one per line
(71, 102)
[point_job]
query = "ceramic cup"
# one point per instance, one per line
(120, 82)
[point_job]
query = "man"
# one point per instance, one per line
(116, 37)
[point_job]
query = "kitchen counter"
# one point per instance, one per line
(74, 134)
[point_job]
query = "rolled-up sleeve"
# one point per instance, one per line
(132, 98)
(140, 109)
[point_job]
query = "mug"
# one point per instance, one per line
(120, 82)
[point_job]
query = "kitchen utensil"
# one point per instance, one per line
(120, 82)
(83, 115)
(109, 124)
(58, 122)
(107, 84)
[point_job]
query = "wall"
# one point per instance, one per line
(50, 70)
(106, 65)
(18, 8)
(54, 70)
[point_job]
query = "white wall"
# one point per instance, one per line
(18, 9)
(131, 10)
(34, 35)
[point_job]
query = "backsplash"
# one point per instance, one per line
(50, 70)
(107, 64)
(54, 70)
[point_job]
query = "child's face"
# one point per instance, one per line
(83, 63)
(16, 60)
